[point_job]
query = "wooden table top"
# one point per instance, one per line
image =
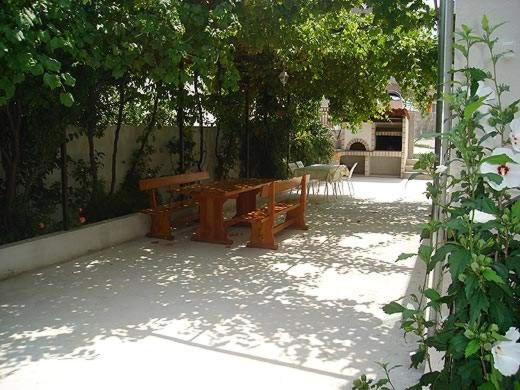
(225, 188)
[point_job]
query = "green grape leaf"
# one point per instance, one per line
(51, 80)
(472, 348)
(491, 276)
(66, 99)
(393, 308)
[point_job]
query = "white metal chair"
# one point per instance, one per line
(350, 185)
(292, 168)
(300, 164)
(337, 181)
(292, 171)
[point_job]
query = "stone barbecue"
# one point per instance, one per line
(379, 147)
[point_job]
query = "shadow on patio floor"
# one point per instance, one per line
(307, 315)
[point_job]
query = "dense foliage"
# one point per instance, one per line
(474, 322)
(84, 68)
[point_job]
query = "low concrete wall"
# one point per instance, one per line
(55, 248)
(385, 166)
(349, 161)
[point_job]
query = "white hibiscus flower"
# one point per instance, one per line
(509, 171)
(482, 217)
(441, 169)
(488, 92)
(506, 354)
(515, 134)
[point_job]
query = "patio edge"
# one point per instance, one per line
(38, 252)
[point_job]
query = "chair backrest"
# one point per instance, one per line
(345, 170)
(299, 164)
(293, 167)
(336, 174)
(352, 170)
(165, 181)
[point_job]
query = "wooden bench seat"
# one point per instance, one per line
(279, 209)
(161, 213)
(263, 221)
(166, 208)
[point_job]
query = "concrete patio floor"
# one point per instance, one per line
(187, 315)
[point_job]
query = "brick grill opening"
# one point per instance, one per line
(357, 146)
(389, 143)
(389, 135)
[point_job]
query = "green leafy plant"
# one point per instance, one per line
(478, 246)
(364, 383)
(313, 143)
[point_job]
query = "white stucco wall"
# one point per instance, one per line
(470, 12)
(363, 133)
(129, 142)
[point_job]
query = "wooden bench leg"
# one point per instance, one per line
(161, 226)
(298, 216)
(262, 235)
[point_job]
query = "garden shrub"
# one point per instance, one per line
(476, 245)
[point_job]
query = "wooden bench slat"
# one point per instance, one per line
(283, 185)
(279, 208)
(180, 204)
(165, 181)
(283, 225)
(158, 210)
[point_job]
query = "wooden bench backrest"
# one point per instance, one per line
(284, 185)
(152, 185)
(165, 181)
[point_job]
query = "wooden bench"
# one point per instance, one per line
(263, 221)
(161, 213)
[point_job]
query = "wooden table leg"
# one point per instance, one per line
(246, 202)
(211, 227)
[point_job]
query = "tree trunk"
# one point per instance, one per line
(119, 123)
(91, 133)
(218, 157)
(146, 134)
(289, 132)
(64, 186)
(180, 119)
(246, 128)
(201, 121)
(14, 119)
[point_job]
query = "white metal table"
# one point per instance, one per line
(327, 173)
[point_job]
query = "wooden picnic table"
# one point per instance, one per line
(211, 198)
